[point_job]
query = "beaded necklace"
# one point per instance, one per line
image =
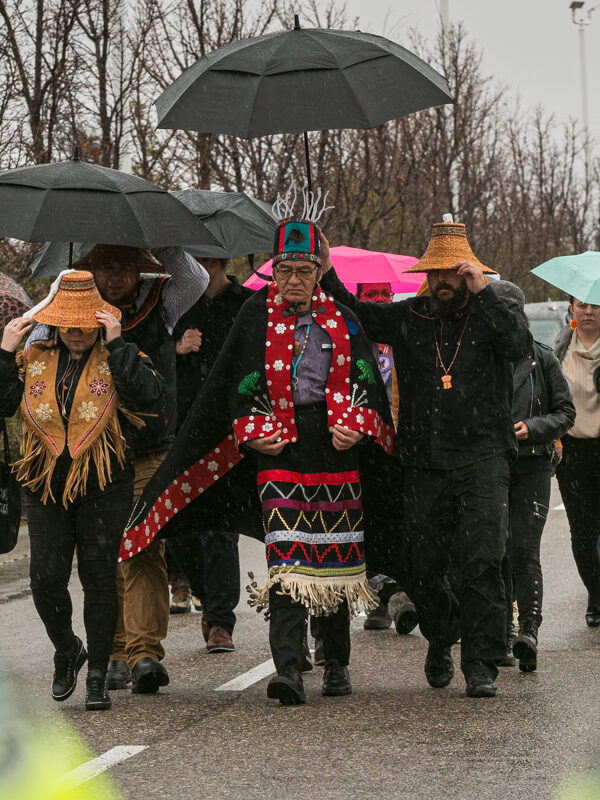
(446, 377)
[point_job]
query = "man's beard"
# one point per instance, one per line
(446, 308)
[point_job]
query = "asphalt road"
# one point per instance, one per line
(394, 737)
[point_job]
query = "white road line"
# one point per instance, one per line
(93, 768)
(561, 507)
(248, 678)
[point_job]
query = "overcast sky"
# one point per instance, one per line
(531, 46)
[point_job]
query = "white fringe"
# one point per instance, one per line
(50, 296)
(313, 207)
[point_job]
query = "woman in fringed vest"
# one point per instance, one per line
(77, 393)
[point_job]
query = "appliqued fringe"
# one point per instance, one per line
(36, 467)
(321, 597)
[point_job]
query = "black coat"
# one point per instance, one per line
(439, 429)
(542, 399)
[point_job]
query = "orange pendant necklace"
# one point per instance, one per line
(447, 377)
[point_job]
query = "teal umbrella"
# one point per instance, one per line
(577, 275)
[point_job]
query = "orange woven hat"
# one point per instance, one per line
(72, 302)
(448, 245)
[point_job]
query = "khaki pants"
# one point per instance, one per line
(142, 589)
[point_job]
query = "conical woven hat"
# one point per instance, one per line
(75, 302)
(448, 245)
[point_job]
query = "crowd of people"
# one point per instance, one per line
(394, 456)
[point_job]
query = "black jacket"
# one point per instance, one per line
(472, 421)
(213, 317)
(138, 386)
(542, 399)
(560, 346)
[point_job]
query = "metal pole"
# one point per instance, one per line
(584, 87)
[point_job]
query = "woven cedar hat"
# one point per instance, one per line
(72, 301)
(448, 245)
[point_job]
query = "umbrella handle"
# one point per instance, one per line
(307, 156)
(70, 255)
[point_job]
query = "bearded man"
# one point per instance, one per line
(455, 440)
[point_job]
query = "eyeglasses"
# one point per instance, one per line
(303, 272)
(64, 329)
(376, 295)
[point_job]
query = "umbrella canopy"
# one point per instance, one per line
(244, 224)
(577, 275)
(14, 300)
(53, 257)
(354, 266)
(72, 201)
(299, 80)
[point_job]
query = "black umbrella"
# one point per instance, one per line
(72, 200)
(244, 224)
(300, 80)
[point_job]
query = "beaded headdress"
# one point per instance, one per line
(297, 234)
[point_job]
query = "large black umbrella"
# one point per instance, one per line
(300, 80)
(244, 224)
(71, 201)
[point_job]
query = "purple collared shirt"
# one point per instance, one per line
(313, 368)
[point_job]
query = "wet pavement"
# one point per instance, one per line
(393, 737)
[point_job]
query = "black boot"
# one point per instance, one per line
(479, 680)
(439, 666)
(66, 669)
(117, 675)
(96, 696)
(287, 687)
(509, 659)
(147, 676)
(592, 615)
(525, 645)
(336, 680)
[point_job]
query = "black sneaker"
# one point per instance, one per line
(439, 666)
(479, 681)
(287, 687)
(96, 696)
(65, 671)
(118, 675)
(525, 646)
(147, 676)
(336, 680)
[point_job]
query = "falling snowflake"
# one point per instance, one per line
(213, 466)
(360, 419)
(280, 327)
(278, 365)
(103, 368)
(283, 403)
(43, 412)
(186, 488)
(249, 427)
(268, 426)
(168, 504)
(331, 323)
(341, 360)
(127, 544)
(37, 388)
(36, 368)
(338, 397)
(87, 411)
(98, 387)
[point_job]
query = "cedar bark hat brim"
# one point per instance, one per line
(447, 247)
(75, 303)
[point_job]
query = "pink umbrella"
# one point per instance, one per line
(362, 266)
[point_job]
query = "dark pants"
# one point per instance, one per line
(529, 498)
(287, 628)
(579, 481)
(459, 517)
(210, 560)
(94, 524)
